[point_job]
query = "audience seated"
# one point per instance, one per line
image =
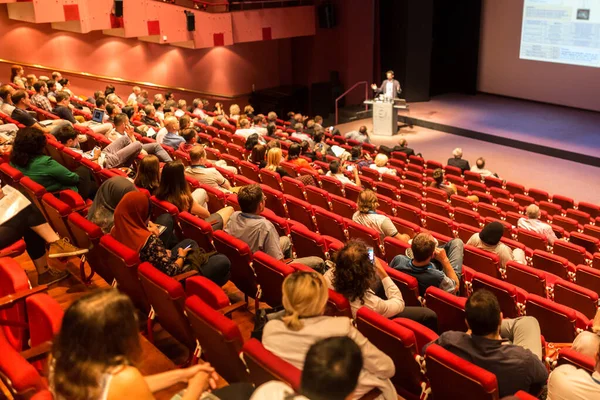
(107, 198)
(431, 265)
(450, 188)
(380, 165)
(149, 118)
(567, 382)
(198, 108)
(294, 157)
(367, 284)
(17, 76)
(457, 160)
(7, 106)
(172, 138)
(304, 299)
(22, 219)
(362, 135)
(517, 364)
(489, 240)
(533, 223)
(234, 112)
(148, 174)
(39, 99)
(29, 158)
(367, 215)
(331, 371)
(88, 363)
(479, 168)
(260, 233)
(204, 173)
(175, 189)
(334, 170)
(299, 134)
(274, 158)
(588, 342)
(401, 147)
(133, 228)
(135, 92)
(21, 101)
(257, 155)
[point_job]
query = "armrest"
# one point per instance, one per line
(185, 275)
(10, 299)
(232, 307)
(38, 352)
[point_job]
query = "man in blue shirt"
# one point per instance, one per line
(172, 138)
(431, 265)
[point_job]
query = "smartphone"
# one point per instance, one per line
(189, 245)
(371, 255)
(350, 168)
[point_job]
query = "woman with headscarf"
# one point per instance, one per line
(107, 198)
(132, 227)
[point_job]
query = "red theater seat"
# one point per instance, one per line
(531, 280)
(86, 235)
(270, 274)
(511, 298)
(450, 309)
(264, 366)
(557, 322)
(577, 297)
(337, 305)
(331, 224)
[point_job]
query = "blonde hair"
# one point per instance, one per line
(367, 201)
(305, 295)
(248, 109)
(381, 160)
(274, 156)
(234, 109)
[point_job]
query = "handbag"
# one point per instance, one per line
(262, 316)
(195, 259)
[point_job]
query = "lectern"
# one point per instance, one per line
(385, 116)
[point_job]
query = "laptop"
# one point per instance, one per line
(98, 116)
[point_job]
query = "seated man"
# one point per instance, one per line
(533, 223)
(331, 370)
(7, 106)
(21, 102)
(457, 160)
(489, 240)
(39, 99)
(62, 109)
(203, 172)
(401, 147)
(431, 265)
(198, 107)
(301, 135)
(150, 117)
(479, 168)
(172, 138)
(260, 233)
(568, 382)
(245, 129)
(517, 366)
(334, 171)
(362, 135)
(191, 140)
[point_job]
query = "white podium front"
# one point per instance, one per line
(385, 117)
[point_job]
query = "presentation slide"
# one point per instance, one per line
(561, 31)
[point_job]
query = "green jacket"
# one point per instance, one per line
(50, 174)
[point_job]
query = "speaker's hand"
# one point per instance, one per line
(374, 86)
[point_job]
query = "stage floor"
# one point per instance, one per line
(556, 131)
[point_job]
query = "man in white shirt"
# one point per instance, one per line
(489, 240)
(479, 167)
(532, 223)
(7, 106)
(350, 277)
(134, 95)
(330, 372)
(568, 382)
(334, 171)
(362, 135)
(198, 108)
(245, 129)
(301, 135)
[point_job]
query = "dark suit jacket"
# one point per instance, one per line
(397, 88)
(459, 163)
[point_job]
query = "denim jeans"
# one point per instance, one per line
(455, 252)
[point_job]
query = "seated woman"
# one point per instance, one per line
(380, 165)
(29, 158)
(586, 342)
(133, 228)
(257, 156)
(304, 299)
(20, 219)
(274, 157)
(449, 188)
(89, 364)
(175, 189)
(367, 284)
(109, 194)
(367, 215)
(148, 174)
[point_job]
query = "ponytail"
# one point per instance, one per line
(292, 321)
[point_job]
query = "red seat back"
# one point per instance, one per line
(271, 179)
(197, 229)
(408, 285)
(343, 207)
(549, 262)
(557, 322)
(13, 279)
(569, 356)
(300, 211)
(409, 213)
(370, 236)
(572, 252)
(330, 224)
(512, 302)
(482, 261)
(240, 256)
(308, 243)
(450, 309)
(439, 224)
(57, 213)
(533, 240)
(86, 235)
(332, 185)
(337, 305)
(265, 366)
(17, 374)
(588, 278)
(577, 297)
(270, 274)
(294, 188)
(529, 279)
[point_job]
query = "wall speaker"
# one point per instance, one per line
(190, 20)
(118, 8)
(327, 18)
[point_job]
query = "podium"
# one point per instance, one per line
(385, 116)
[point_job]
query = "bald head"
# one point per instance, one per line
(533, 211)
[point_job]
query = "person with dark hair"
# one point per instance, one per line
(21, 101)
(489, 240)
(362, 135)
(321, 147)
(52, 90)
(39, 99)
(257, 155)
(260, 233)
(511, 349)
(355, 276)
(336, 172)
(191, 139)
(62, 110)
(64, 83)
(294, 157)
(28, 157)
(205, 173)
(401, 147)
(251, 141)
(89, 364)
(390, 88)
(110, 89)
(439, 183)
(431, 265)
(101, 103)
(331, 370)
(132, 227)
(148, 174)
(271, 129)
(150, 117)
(6, 92)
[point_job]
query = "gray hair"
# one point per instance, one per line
(457, 153)
(532, 211)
